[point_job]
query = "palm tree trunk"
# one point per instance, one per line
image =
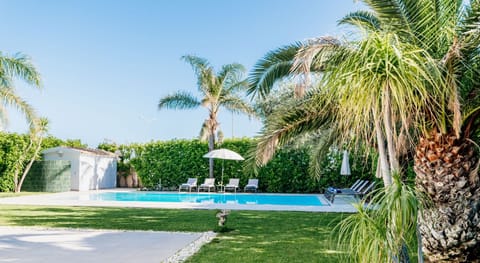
(387, 122)
(19, 166)
(382, 154)
(18, 187)
(211, 146)
(447, 174)
(212, 126)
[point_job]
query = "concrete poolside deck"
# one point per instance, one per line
(31, 245)
(342, 203)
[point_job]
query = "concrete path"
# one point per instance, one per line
(25, 245)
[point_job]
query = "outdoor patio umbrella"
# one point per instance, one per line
(224, 154)
(345, 170)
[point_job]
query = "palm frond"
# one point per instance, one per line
(9, 97)
(316, 52)
(235, 87)
(19, 66)
(376, 64)
(232, 71)
(470, 19)
(286, 123)
(3, 117)
(390, 13)
(206, 79)
(363, 19)
(274, 66)
(198, 64)
(179, 100)
(321, 144)
(237, 105)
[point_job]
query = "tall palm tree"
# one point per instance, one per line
(218, 89)
(19, 67)
(446, 159)
(445, 118)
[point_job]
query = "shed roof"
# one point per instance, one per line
(81, 150)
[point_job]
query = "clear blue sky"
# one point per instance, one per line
(106, 63)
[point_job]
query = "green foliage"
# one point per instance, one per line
(385, 232)
(171, 163)
(12, 147)
(124, 166)
(51, 142)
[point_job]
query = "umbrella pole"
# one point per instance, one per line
(221, 183)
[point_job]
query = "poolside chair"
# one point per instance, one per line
(191, 183)
(355, 187)
(232, 184)
(359, 193)
(207, 185)
(252, 185)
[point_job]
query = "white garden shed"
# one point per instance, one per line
(90, 169)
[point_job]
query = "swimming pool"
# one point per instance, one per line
(210, 198)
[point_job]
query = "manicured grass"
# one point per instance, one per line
(253, 236)
(274, 237)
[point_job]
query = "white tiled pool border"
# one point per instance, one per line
(342, 204)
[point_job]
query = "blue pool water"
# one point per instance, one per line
(258, 199)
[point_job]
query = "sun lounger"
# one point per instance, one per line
(232, 184)
(252, 185)
(359, 184)
(207, 185)
(359, 192)
(191, 183)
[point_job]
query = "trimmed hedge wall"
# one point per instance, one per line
(171, 163)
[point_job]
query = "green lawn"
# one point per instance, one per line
(254, 236)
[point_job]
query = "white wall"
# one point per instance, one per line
(97, 172)
(107, 172)
(71, 156)
(88, 171)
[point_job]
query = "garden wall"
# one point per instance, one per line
(48, 176)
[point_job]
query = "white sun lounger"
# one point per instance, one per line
(191, 183)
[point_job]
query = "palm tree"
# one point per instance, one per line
(446, 157)
(218, 89)
(444, 118)
(19, 67)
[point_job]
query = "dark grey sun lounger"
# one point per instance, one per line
(358, 191)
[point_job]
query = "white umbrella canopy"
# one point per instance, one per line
(225, 154)
(345, 170)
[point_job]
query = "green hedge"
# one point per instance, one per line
(13, 145)
(173, 162)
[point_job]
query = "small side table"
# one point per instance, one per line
(220, 188)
